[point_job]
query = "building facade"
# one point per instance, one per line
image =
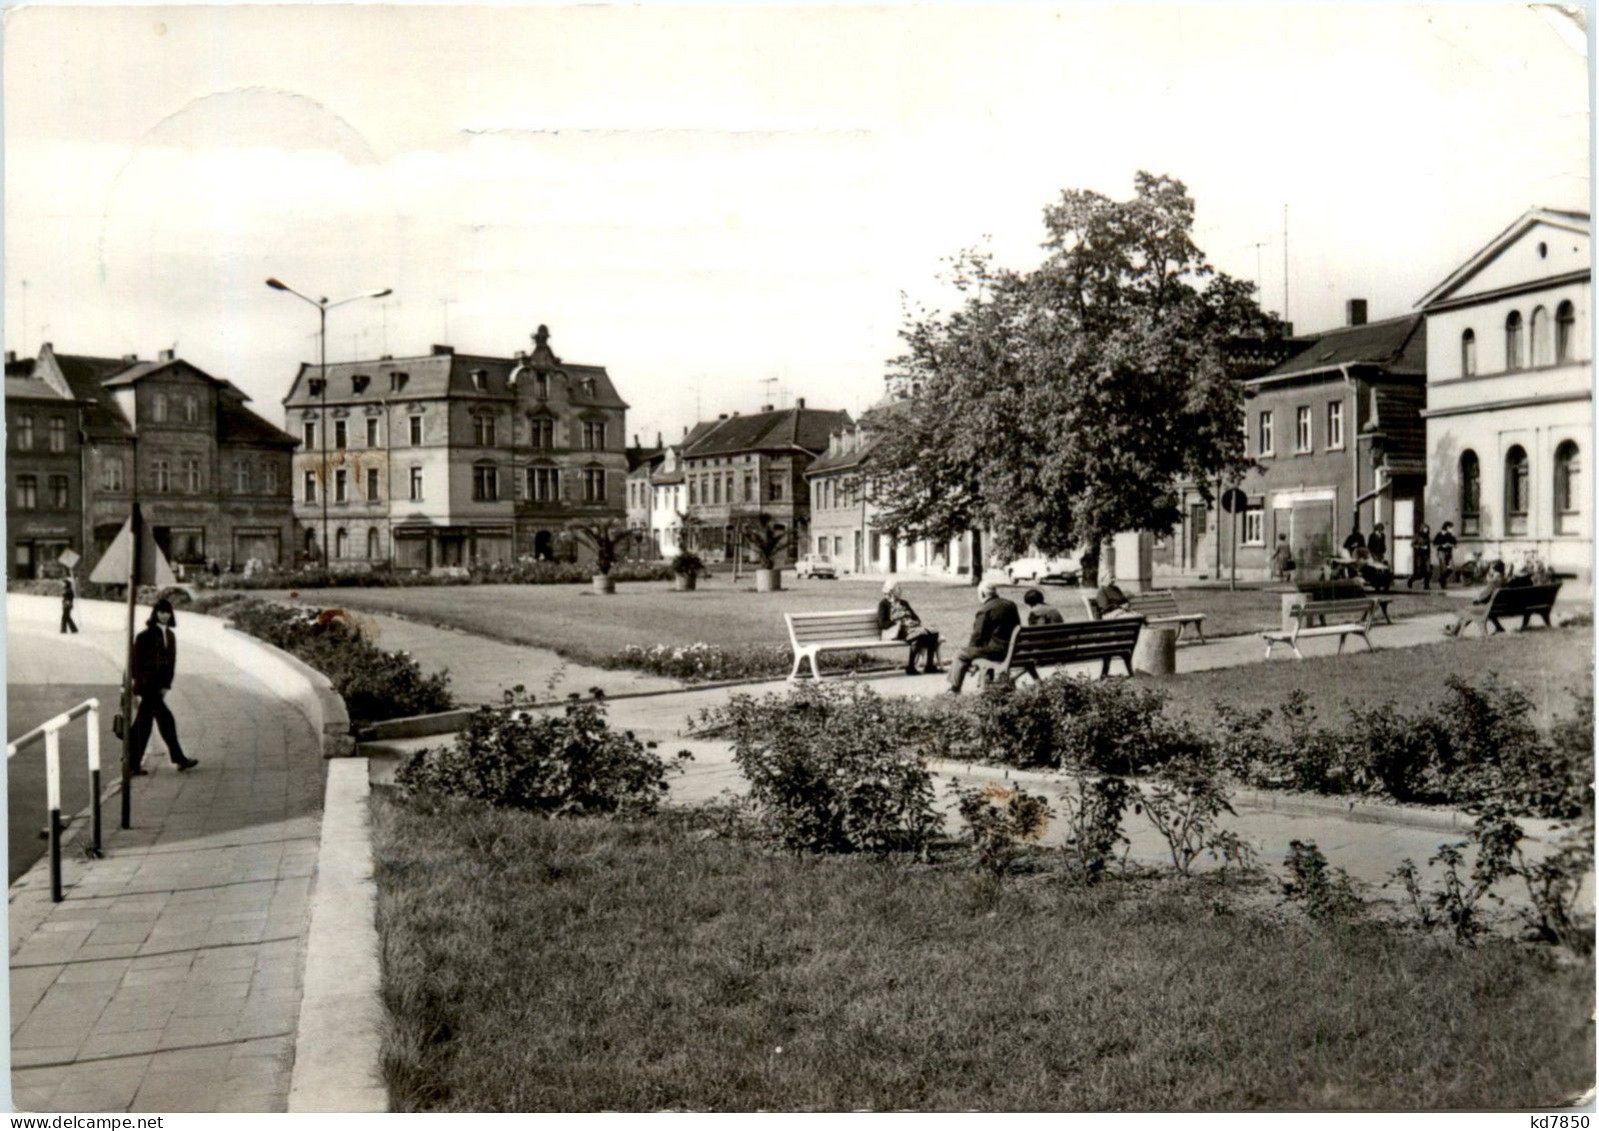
(451, 459)
(1510, 394)
(44, 472)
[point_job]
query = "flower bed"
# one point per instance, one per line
(701, 662)
(514, 573)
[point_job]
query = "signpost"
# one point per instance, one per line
(1233, 501)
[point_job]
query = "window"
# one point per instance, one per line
(594, 484)
(192, 475)
(191, 409)
(308, 493)
(716, 489)
(416, 484)
(1335, 424)
(27, 492)
(341, 487)
(749, 488)
(594, 436)
(543, 484)
(821, 545)
(1513, 340)
(270, 477)
(371, 486)
(541, 386)
(693, 493)
(341, 543)
(480, 380)
(187, 544)
(24, 433)
(416, 431)
(310, 435)
(774, 488)
(1516, 491)
(543, 433)
(1267, 444)
(341, 434)
(1540, 336)
(838, 547)
(1565, 324)
(1468, 354)
(158, 408)
(241, 477)
(1470, 493)
(483, 430)
(163, 476)
(58, 433)
(371, 431)
(1254, 526)
(1302, 429)
(485, 484)
(60, 492)
(111, 474)
(372, 543)
(1568, 488)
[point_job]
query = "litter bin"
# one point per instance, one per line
(1156, 653)
(1291, 601)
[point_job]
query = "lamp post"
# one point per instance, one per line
(322, 307)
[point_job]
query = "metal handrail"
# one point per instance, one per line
(50, 731)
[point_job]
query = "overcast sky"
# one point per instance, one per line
(705, 199)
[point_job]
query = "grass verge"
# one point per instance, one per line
(531, 964)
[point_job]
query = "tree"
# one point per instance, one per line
(1061, 405)
(605, 537)
(767, 540)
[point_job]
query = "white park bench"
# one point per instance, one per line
(811, 634)
(1157, 608)
(1341, 618)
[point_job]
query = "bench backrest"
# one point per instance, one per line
(1342, 611)
(1160, 603)
(1344, 588)
(815, 628)
(1524, 598)
(1066, 643)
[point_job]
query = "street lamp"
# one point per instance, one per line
(322, 307)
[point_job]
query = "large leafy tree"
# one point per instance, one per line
(1057, 406)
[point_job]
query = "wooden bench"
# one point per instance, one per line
(1341, 618)
(814, 633)
(1048, 644)
(1525, 601)
(1344, 589)
(1160, 607)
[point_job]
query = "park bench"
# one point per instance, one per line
(1342, 618)
(1157, 608)
(814, 633)
(1525, 601)
(1344, 589)
(1032, 646)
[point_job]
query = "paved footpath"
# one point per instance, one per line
(170, 977)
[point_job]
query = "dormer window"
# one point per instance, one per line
(541, 386)
(359, 382)
(314, 386)
(397, 381)
(480, 380)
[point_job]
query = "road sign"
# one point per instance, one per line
(68, 558)
(1234, 501)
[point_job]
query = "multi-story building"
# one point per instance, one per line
(44, 471)
(642, 463)
(745, 466)
(212, 477)
(1510, 394)
(450, 458)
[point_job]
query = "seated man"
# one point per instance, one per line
(992, 629)
(1038, 612)
(1496, 580)
(1110, 601)
(1377, 574)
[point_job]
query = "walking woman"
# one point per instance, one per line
(155, 659)
(1421, 548)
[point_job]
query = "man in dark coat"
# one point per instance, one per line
(1443, 547)
(1421, 567)
(155, 659)
(69, 594)
(996, 620)
(1377, 544)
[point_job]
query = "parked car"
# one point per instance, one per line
(1065, 570)
(816, 565)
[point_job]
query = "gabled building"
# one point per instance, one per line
(1510, 393)
(450, 458)
(642, 463)
(44, 471)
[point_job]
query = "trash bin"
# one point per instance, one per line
(1156, 653)
(1291, 601)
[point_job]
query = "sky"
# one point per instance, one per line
(731, 206)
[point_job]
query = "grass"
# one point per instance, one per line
(533, 964)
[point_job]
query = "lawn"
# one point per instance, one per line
(576, 965)
(587, 628)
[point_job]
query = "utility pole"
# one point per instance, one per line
(1285, 263)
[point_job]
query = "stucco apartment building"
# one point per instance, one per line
(451, 458)
(212, 477)
(1510, 393)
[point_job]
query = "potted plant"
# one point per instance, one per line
(769, 542)
(686, 570)
(605, 538)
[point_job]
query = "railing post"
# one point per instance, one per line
(94, 769)
(52, 766)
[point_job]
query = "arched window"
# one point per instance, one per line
(1516, 491)
(1565, 327)
(372, 543)
(310, 540)
(1470, 493)
(1513, 340)
(1468, 354)
(341, 543)
(1568, 488)
(1540, 336)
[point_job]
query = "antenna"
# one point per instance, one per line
(24, 338)
(446, 303)
(1285, 263)
(1260, 278)
(766, 384)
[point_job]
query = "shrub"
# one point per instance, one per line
(829, 769)
(1554, 885)
(702, 661)
(1459, 899)
(1184, 803)
(688, 564)
(561, 765)
(1326, 892)
(1000, 821)
(1094, 823)
(521, 572)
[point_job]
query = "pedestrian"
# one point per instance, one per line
(1282, 559)
(996, 621)
(1038, 612)
(1421, 549)
(1355, 544)
(1443, 545)
(155, 659)
(68, 596)
(1377, 544)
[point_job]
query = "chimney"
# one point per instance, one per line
(443, 351)
(1355, 309)
(387, 357)
(658, 444)
(130, 358)
(166, 355)
(635, 440)
(799, 402)
(721, 416)
(685, 431)
(11, 357)
(766, 408)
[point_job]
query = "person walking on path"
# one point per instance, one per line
(155, 659)
(1282, 559)
(68, 596)
(1421, 543)
(1444, 546)
(1355, 544)
(997, 619)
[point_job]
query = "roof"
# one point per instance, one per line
(1560, 218)
(26, 388)
(86, 377)
(1398, 418)
(238, 425)
(441, 374)
(1396, 345)
(780, 430)
(638, 457)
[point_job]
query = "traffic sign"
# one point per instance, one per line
(1234, 501)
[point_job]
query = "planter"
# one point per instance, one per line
(683, 582)
(768, 580)
(603, 583)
